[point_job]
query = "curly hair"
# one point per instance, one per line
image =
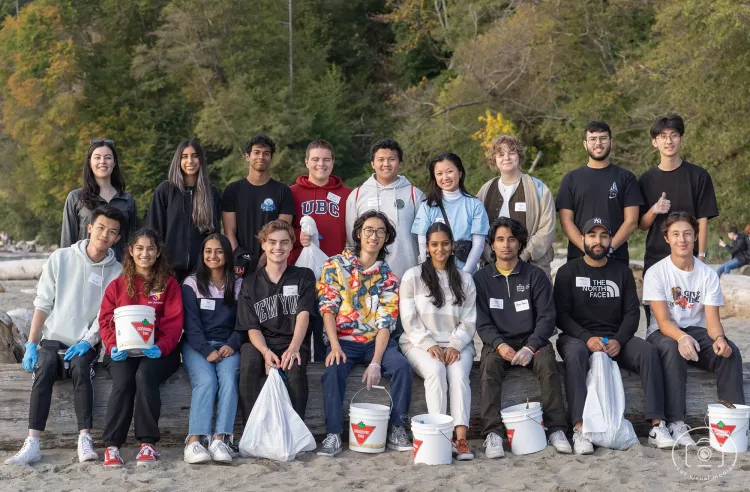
(160, 270)
(512, 143)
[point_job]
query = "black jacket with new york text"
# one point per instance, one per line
(518, 309)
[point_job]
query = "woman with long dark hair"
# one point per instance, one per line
(146, 280)
(102, 184)
(186, 208)
(211, 354)
(438, 311)
(447, 201)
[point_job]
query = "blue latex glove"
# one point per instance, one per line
(78, 349)
(153, 352)
(117, 355)
(29, 357)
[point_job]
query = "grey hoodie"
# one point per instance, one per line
(70, 291)
(399, 201)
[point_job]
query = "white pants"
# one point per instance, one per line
(439, 379)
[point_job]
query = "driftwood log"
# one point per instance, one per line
(519, 385)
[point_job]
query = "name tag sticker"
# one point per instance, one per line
(96, 279)
(373, 303)
(522, 305)
(496, 303)
(209, 304)
(333, 197)
(373, 202)
(440, 219)
(290, 290)
(520, 206)
(583, 282)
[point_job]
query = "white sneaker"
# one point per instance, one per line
(581, 443)
(195, 454)
(220, 452)
(560, 442)
(680, 432)
(659, 436)
(86, 448)
(28, 454)
(493, 446)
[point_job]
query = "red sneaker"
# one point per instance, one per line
(112, 458)
(147, 455)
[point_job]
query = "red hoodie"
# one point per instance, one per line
(168, 306)
(327, 205)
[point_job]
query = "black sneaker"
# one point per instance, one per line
(234, 449)
(331, 446)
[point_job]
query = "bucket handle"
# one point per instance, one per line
(376, 387)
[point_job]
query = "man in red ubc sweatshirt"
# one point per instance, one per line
(323, 197)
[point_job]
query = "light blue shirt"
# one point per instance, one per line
(466, 216)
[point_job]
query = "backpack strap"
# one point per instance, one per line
(356, 195)
(413, 201)
(539, 187)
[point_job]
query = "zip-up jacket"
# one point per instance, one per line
(208, 319)
(171, 215)
(739, 249)
(518, 309)
(167, 304)
(70, 292)
(327, 205)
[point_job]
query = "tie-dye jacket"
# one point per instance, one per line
(363, 301)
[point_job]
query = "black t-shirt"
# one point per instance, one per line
(255, 206)
(593, 301)
(604, 193)
(689, 188)
(272, 308)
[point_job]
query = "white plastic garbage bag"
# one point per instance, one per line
(603, 421)
(274, 430)
(312, 256)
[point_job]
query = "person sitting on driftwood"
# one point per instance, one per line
(685, 297)
(68, 296)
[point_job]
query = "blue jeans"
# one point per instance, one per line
(728, 266)
(207, 378)
(394, 366)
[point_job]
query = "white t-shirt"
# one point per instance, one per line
(507, 192)
(685, 292)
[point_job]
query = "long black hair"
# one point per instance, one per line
(430, 276)
(203, 273)
(390, 232)
(203, 205)
(434, 195)
(90, 187)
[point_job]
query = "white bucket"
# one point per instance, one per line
(134, 327)
(525, 427)
(728, 427)
(432, 439)
(368, 425)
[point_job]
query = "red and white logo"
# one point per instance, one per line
(144, 329)
(362, 432)
(722, 432)
(417, 444)
(510, 436)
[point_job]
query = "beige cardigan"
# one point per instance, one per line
(541, 221)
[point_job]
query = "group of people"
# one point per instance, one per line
(410, 279)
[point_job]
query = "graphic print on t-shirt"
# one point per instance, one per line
(686, 300)
(613, 190)
(268, 205)
(598, 288)
(268, 308)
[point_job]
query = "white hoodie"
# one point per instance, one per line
(70, 291)
(399, 201)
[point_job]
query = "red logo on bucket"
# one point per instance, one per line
(722, 432)
(417, 444)
(510, 436)
(362, 432)
(144, 329)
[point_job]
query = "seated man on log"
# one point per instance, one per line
(68, 297)
(275, 305)
(515, 319)
(685, 295)
(358, 299)
(598, 311)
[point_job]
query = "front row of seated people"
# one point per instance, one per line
(235, 332)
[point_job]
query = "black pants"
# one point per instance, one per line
(637, 355)
(49, 368)
(136, 380)
(728, 370)
(320, 340)
(253, 377)
(492, 369)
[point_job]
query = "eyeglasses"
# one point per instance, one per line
(379, 232)
(100, 141)
(593, 140)
(672, 137)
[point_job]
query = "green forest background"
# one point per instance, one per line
(437, 75)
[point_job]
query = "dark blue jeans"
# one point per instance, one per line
(394, 366)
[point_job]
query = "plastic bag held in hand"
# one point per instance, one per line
(312, 256)
(274, 430)
(603, 420)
